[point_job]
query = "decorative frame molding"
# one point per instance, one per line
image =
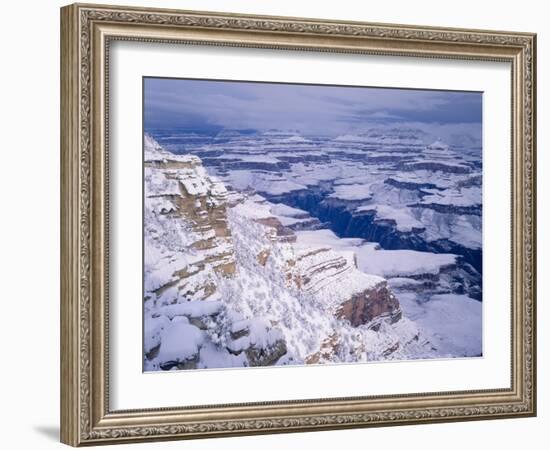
(86, 31)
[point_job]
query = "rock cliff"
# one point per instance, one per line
(188, 252)
(228, 284)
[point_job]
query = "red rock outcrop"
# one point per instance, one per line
(373, 303)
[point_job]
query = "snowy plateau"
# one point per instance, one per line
(272, 248)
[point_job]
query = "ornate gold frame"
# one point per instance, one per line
(86, 31)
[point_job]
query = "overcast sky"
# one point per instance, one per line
(208, 106)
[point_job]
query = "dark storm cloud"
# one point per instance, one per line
(202, 105)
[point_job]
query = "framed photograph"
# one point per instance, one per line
(278, 224)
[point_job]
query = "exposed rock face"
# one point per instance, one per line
(374, 303)
(189, 250)
(264, 351)
(280, 233)
(180, 196)
(329, 347)
(269, 356)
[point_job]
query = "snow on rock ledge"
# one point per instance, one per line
(331, 278)
(228, 285)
